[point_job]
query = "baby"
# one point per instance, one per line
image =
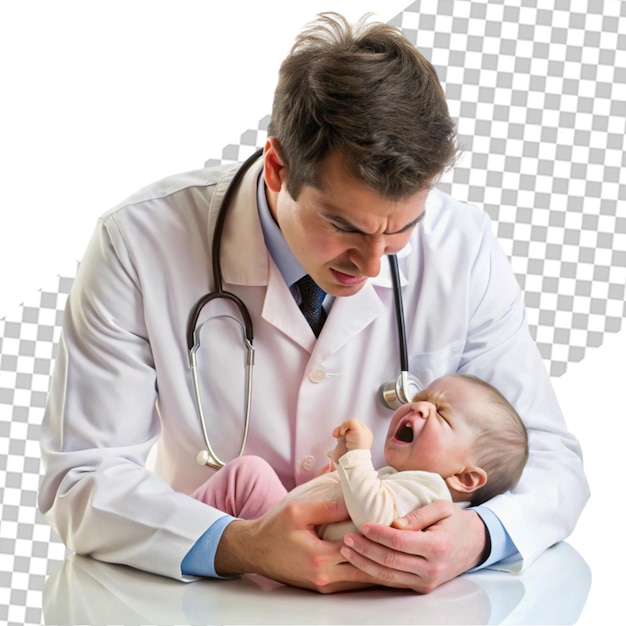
(459, 440)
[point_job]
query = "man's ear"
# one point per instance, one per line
(274, 166)
(467, 481)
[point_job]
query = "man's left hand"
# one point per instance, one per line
(426, 548)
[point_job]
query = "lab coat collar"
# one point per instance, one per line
(348, 316)
(244, 257)
(384, 278)
(246, 261)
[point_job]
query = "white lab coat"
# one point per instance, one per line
(122, 381)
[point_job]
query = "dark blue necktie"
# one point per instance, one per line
(311, 306)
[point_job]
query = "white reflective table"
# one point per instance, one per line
(84, 591)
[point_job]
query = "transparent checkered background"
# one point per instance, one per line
(539, 92)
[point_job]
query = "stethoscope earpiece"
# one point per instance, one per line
(203, 457)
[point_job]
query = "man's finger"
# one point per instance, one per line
(424, 517)
(315, 513)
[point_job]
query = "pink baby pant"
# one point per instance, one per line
(246, 487)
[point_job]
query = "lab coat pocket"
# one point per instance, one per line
(428, 366)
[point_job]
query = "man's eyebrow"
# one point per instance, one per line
(409, 226)
(346, 224)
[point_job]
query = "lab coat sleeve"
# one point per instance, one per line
(385, 496)
(101, 422)
(545, 505)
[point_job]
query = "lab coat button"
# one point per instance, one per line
(307, 463)
(317, 376)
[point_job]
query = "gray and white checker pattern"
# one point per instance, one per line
(540, 98)
(539, 92)
(29, 548)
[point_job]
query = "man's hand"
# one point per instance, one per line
(431, 546)
(283, 545)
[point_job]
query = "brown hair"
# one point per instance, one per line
(501, 447)
(365, 91)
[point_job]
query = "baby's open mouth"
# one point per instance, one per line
(405, 432)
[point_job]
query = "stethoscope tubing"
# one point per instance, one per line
(392, 393)
(401, 324)
(208, 456)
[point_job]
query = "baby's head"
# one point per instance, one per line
(463, 429)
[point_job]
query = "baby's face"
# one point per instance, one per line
(436, 432)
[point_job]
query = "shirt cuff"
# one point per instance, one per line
(200, 560)
(502, 545)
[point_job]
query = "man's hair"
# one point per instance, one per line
(366, 92)
(501, 447)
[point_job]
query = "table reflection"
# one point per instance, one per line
(84, 591)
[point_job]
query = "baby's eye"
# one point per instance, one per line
(443, 417)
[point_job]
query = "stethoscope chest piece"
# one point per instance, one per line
(401, 391)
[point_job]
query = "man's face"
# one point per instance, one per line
(340, 231)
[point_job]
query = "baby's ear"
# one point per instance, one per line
(467, 481)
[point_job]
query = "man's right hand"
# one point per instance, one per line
(283, 545)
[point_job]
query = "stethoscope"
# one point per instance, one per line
(393, 394)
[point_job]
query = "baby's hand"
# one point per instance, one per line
(352, 434)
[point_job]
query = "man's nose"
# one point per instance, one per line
(370, 253)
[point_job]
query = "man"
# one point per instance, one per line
(360, 132)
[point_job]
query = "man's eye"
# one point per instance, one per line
(342, 228)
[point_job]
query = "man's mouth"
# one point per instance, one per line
(404, 432)
(348, 280)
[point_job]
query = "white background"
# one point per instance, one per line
(101, 98)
